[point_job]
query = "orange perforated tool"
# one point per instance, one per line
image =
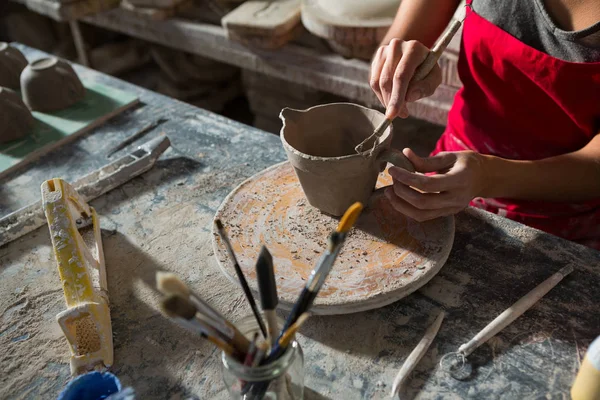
(75, 234)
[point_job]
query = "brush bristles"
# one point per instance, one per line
(178, 306)
(168, 283)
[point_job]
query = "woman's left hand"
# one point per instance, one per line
(460, 177)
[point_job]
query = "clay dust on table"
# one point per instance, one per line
(386, 256)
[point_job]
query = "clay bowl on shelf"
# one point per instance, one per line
(12, 63)
(15, 118)
(50, 84)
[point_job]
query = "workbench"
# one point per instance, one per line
(162, 221)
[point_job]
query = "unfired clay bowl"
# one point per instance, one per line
(320, 143)
(50, 84)
(15, 118)
(12, 63)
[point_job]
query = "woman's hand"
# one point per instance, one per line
(392, 69)
(460, 177)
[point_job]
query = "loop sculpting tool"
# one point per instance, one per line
(75, 233)
(422, 71)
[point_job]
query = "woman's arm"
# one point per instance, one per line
(569, 177)
(421, 20)
(417, 25)
(463, 175)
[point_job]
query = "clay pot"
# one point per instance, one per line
(12, 63)
(320, 143)
(15, 118)
(50, 84)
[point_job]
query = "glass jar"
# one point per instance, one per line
(282, 379)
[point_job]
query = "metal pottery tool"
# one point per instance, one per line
(422, 71)
(455, 363)
(91, 186)
(77, 245)
(267, 290)
(135, 136)
(241, 278)
(418, 352)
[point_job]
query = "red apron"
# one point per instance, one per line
(520, 103)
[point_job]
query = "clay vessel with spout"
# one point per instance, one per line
(320, 143)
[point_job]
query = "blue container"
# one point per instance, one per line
(91, 386)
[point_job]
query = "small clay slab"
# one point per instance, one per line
(263, 18)
(386, 256)
(267, 42)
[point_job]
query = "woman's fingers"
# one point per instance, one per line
(376, 67)
(424, 201)
(430, 184)
(440, 162)
(411, 211)
(393, 55)
(413, 54)
(425, 87)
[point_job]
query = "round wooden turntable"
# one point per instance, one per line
(386, 256)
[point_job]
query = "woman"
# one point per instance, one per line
(521, 139)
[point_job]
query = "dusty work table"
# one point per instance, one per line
(161, 221)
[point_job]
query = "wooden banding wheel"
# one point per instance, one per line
(386, 256)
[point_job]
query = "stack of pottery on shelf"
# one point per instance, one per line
(267, 96)
(196, 80)
(267, 24)
(47, 84)
(353, 28)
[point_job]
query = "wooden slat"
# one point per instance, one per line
(323, 71)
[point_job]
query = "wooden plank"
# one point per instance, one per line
(68, 11)
(323, 71)
(61, 127)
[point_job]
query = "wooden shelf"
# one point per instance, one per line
(68, 11)
(323, 71)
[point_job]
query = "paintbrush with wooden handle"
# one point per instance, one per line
(267, 289)
(241, 278)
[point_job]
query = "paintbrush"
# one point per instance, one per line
(259, 388)
(267, 289)
(169, 284)
(422, 71)
(183, 312)
(241, 277)
(321, 271)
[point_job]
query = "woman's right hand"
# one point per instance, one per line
(392, 70)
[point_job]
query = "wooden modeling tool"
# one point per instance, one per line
(135, 136)
(241, 278)
(183, 312)
(169, 285)
(418, 352)
(458, 366)
(268, 291)
(77, 245)
(422, 71)
(91, 186)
